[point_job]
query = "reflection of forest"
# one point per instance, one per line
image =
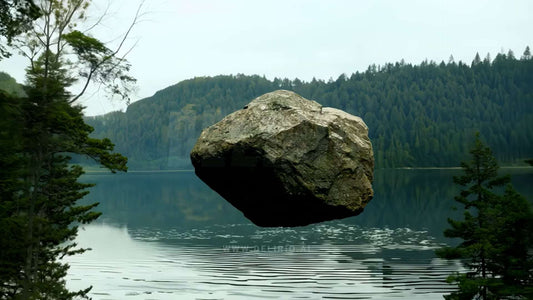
(164, 200)
(422, 199)
(416, 199)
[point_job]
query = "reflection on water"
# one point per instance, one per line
(266, 264)
(167, 236)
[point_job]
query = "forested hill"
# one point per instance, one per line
(418, 115)
(9, 85)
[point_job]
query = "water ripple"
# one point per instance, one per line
(251, 263)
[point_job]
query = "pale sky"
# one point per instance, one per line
(182, 39)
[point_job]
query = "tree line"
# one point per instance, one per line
(418, 115)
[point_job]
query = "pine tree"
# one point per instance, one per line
(495, 233)
(527, 54)
(39, 210)
(477, 60)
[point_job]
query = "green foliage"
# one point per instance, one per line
(39, 130)
(99, 64)
(40, 189)
(418, 115)
(495, 233)
(16, 17)
(86, 47)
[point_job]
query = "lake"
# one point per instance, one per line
(168, 236)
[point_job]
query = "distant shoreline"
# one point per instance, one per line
(105, 171)
(454, 168)
(90, 171)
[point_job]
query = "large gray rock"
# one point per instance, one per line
(287, 161)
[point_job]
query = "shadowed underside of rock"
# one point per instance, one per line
(286, 161)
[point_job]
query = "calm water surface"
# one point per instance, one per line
(168, 236)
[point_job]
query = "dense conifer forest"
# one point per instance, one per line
(419, 115)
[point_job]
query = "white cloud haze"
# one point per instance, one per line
(178, 40)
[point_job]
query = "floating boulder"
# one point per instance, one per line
(284, 160)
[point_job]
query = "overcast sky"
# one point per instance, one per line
(182, 39)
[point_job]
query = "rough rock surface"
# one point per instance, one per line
(284, 160)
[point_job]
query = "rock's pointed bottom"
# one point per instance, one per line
(286, 161)
(263, 199)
